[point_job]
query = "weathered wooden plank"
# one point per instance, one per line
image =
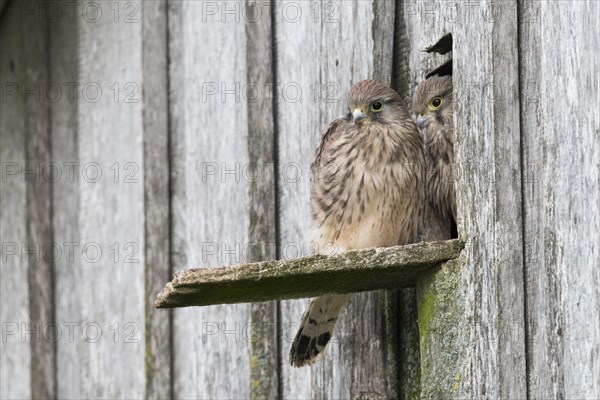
(262, 193)
(347, 42)
(156, 197)
(110, 134)
(101, 298)
(63, 47)
(483, 354)
(15, 348)
(33, 59)
(352, 271)
(210, 189)
(560, 92)
(490, 357)
(26, 74)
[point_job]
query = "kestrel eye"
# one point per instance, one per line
(436, 103)
(376, 106)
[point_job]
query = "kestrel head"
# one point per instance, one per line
(370, 101)
(433, 98)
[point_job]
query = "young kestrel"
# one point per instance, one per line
(433, 105)
(367, 190)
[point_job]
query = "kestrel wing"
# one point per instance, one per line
(333, 132)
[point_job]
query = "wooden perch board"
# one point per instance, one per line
(352, 271)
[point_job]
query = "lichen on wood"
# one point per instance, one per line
(352, 271)
(442, 330)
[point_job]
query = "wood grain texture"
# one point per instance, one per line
(560, 92)
(34, 63)
(210, 191)
(15, 350)
(352, 271)
(156, 196)
(25, 69)
(262, 194)
(100, 290)
(64, 50)
(491, 359)
(487, 345)
(515, 317)
(419, 25)
(347, 42)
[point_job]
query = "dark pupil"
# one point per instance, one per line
(377, 105)
(436, 102)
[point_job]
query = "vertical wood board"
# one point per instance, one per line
(492, 356)
(34, 55)
(210, 193)
(64, 42)
(100, 290)
(560, 92)
(15, 350)
(262, 234)
(158, 356)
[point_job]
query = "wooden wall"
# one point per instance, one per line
(183, 132)
(560, 132)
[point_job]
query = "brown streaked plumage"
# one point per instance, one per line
(367, 190)
(438, 127)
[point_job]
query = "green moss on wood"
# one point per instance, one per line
(427, 307)
(441, 304)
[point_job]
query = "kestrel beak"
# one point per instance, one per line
(357, 114)
(422, 120)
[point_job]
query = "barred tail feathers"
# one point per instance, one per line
(316, 328)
